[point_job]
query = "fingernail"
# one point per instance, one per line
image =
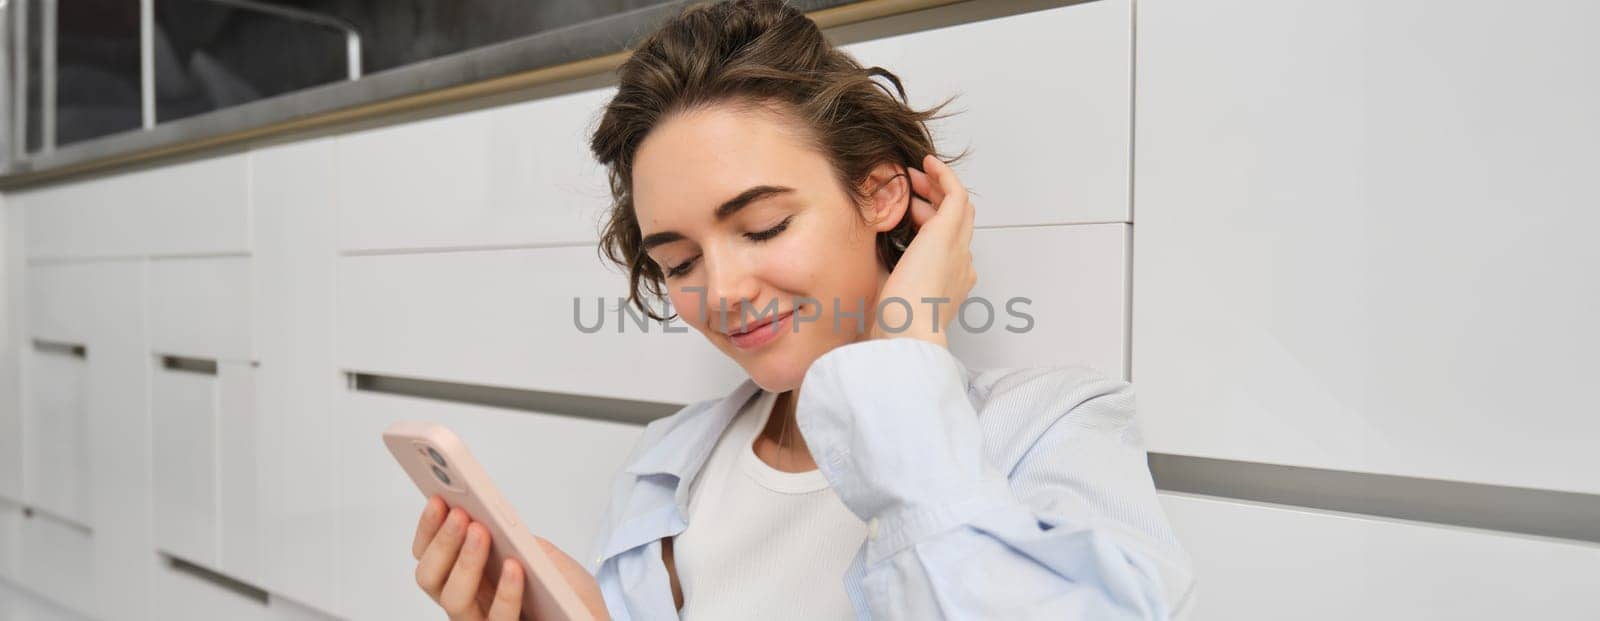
(473, 538)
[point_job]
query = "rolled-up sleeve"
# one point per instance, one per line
(1072, 530)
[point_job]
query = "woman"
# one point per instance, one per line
(777, 193)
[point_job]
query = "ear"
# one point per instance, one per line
(889, 188)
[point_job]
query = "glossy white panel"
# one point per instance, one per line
(506, 318)
(516, 174)
(13, 342)
(59, 562)
(60, 302)
(56, 458)
(295, 275)
(282, 609)
(238, 478)
(10, 540)
(554, 470)
(181, 596)
(197, 207)
(19, 604)
(1050, 129)
(183, 407)
(100, 305)
(201, 307)
(1370, 248)
(1058, 294)
(1267, 562)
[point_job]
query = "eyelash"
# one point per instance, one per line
(758, 237)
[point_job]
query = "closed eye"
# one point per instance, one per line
(680, 269)
(758, 236)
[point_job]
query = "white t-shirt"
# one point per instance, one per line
(762, 543)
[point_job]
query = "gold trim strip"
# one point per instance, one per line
(825, 18)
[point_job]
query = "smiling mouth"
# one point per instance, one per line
(764, 323)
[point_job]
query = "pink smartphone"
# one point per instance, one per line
(439, 463)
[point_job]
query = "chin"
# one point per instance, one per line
(776, 376)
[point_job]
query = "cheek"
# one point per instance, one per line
(687, 305)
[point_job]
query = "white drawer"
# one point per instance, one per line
(10, 541)
(1045, 106)
(198, 207)
(505, 318)
(187, 595)
(556, 471)
(62, 304)
(517, 174)
(13, 342)
(57, 558)
(201, 307)
(206, 500)
(183, 412)
(1258, 561)
(57, 471)
(19, 604)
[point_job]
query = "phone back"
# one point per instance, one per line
(439, 463)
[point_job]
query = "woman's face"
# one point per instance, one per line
(734, 205)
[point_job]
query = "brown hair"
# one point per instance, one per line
(754, 54)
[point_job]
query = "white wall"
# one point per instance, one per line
(1316, 223)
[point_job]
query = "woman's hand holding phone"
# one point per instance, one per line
(938, 261)
(451, 550)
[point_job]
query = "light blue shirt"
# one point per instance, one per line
(987, 494)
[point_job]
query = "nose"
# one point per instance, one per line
(730, 287)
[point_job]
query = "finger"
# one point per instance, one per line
(508, 596)
(921, 212)
(441, 553)
(945, 177)
(432, 517)
(461, 590)
(968, 224)
(924, 186)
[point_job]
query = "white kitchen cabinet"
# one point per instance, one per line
(201, 307)
(191, 208)
(183, 409)
(512, 175)
(506, 318)
(1071, 282)
(56, 466)
(59, 558)
(295, 271)
(1362, 236)
(1260, 561)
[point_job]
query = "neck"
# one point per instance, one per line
(792, 455)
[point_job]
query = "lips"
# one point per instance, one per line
(734, 331)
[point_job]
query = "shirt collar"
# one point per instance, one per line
(684, 447)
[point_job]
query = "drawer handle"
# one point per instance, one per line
(185, 364)
(234, 585)
(558, 403)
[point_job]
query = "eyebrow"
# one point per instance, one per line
(723, 212)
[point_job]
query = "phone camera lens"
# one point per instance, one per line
(438, 472)
(437, 458)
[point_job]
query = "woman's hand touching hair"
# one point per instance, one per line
(935, 274)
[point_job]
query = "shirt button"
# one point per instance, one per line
(872, 528)
(597, 559)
